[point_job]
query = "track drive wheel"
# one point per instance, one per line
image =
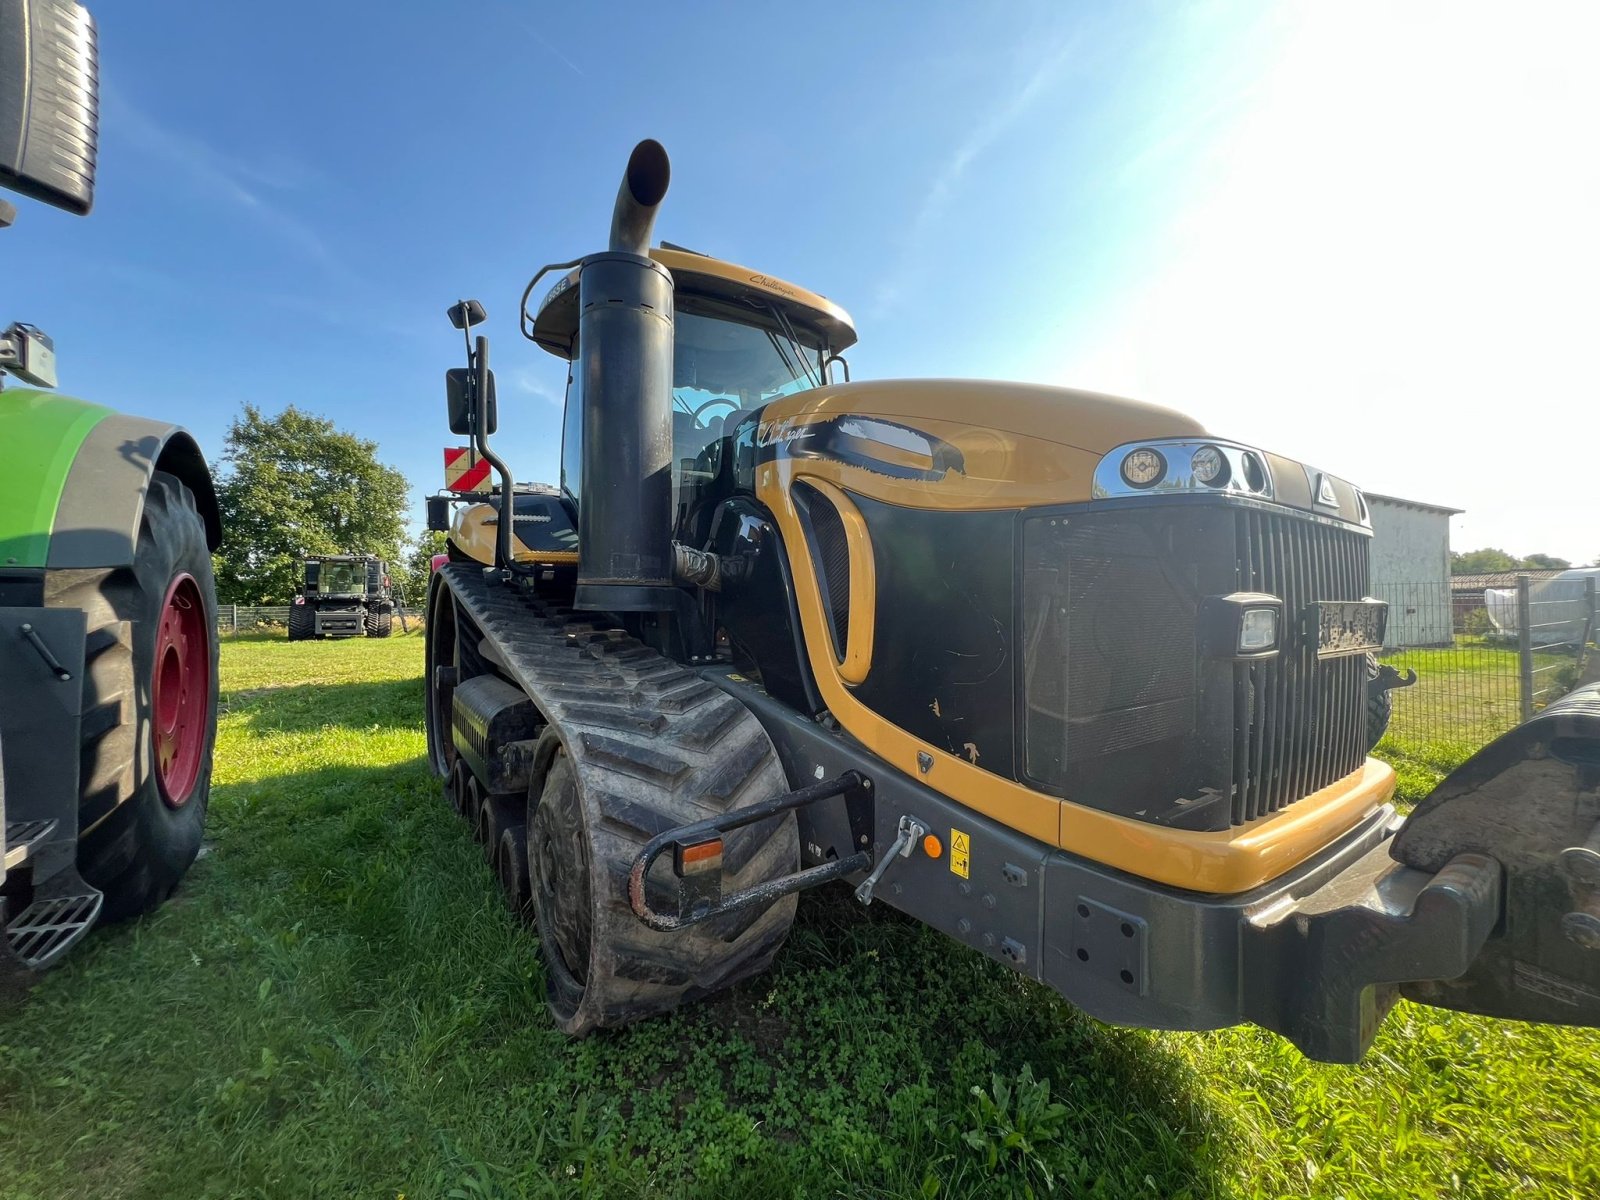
(150, 705)
(605, 967)
(495, 815)
(511, 869)
(379, 622)
(302, 622)
(455, 786)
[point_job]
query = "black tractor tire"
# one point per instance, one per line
(133, 845)
(1380, 706)
(603, 966)
(380, 622)
(302, 622)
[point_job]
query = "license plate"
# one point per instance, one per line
(1350, 626)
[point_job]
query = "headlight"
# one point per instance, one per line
(1258, 630)
(1209, 466)
(1143, 468)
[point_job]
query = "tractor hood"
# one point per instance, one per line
(1090, 422)
(966, 443)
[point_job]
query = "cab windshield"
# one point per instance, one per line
(728, 359)
(337, 577)
(722, 369)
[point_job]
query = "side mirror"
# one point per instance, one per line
(49, 101)
(458, 394)
(439, 514)
(464, 314)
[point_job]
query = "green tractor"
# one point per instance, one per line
(344, 595)
(108, 643)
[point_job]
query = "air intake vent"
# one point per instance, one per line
(830, 553)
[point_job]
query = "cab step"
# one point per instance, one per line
(21, 839)
(53, 922)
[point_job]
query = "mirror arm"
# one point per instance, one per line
(480, 422)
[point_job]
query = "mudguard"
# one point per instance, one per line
(1531, 802)
(76, 478)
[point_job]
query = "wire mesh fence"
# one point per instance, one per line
(1486, 659)
(236, 619)
(249, 618)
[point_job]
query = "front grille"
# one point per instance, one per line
(1299, 723)
(1121, 709)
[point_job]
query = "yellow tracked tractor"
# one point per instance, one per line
(1058, 673)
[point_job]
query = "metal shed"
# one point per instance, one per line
(1411, 568)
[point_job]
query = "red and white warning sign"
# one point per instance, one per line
(464, 471)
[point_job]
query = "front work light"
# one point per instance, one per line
(1242, 626)
(1259, 630)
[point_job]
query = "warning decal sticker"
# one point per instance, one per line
(960, 852)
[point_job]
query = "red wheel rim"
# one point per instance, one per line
(180, 690)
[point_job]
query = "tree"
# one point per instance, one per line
(418, 564)
(294, 485)
(1545, 562)
(1482, 562)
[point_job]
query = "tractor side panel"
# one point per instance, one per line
(42, 434)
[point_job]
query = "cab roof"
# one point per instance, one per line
(556, 325)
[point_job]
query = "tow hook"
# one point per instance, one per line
(1389, 679)
(910, 833)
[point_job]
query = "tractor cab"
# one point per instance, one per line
(740, 340)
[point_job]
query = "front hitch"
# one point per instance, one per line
(1486, 900)
(1325, 972)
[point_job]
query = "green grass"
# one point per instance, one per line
(336, 1004)
(1467, 695)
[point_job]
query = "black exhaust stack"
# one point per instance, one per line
(625, 371)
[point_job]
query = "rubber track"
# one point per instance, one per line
(654, 746)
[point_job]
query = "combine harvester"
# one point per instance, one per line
(343, 596)
(1060, 674)
(108, 617)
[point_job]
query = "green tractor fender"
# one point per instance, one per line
(72, 494)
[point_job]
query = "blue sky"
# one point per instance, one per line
(1358, 234)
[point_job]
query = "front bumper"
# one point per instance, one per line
(1316, 954)
(339, 622)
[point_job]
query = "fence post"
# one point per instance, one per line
(235, 609)
(1525, 645)
(1589, 618)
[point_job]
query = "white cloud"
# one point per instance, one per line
(527, 380)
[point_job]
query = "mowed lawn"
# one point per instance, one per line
(336, 1004)
(1470, 693)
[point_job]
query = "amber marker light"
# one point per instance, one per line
(699, 856)
(932, 846)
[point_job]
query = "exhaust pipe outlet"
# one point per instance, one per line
(644, 184)
(625, 322)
